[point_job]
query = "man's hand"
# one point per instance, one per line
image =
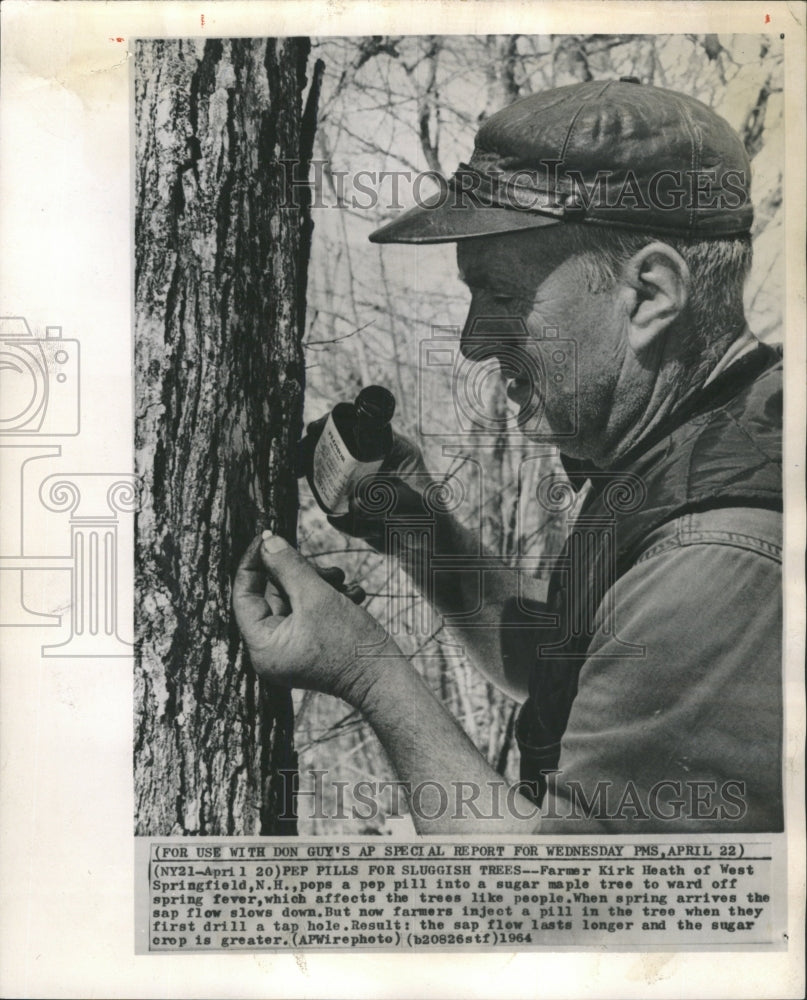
(489, 595)
(405, 457)
(301, 632)
(298, 629)
(403, 473)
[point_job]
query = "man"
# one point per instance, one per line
(619, 215)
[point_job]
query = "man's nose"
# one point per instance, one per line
(488, 331)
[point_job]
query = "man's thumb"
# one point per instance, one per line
(286, 566)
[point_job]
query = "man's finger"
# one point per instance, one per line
(403, 457)
(370, 526)
(355, 592)
(250, 574)
(278, 603)
(287, 568)
(249, 601)
(316, 425)
(334, 575)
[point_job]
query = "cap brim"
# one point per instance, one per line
(437, 220)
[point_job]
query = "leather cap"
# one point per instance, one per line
(614, 153)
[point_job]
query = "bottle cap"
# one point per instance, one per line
(376, 402)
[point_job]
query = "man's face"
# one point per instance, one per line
(526, 300)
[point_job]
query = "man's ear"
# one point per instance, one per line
(655, 282)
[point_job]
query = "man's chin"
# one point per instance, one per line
(535, 425)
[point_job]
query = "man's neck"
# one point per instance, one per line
(664, 410)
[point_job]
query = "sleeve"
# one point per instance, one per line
(688, 736)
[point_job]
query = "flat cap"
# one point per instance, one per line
(614, 153)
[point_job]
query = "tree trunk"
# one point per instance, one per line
(221, 260)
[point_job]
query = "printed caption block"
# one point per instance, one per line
(253, 896)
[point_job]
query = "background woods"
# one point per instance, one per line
(226, 341)
(220, 291)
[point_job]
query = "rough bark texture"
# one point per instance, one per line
(219, 300)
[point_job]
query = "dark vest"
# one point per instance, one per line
(721, 450)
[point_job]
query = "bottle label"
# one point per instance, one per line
(335, 471)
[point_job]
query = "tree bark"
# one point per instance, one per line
(221, 255)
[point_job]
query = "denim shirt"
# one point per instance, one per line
(687, 737)
(660, 707)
